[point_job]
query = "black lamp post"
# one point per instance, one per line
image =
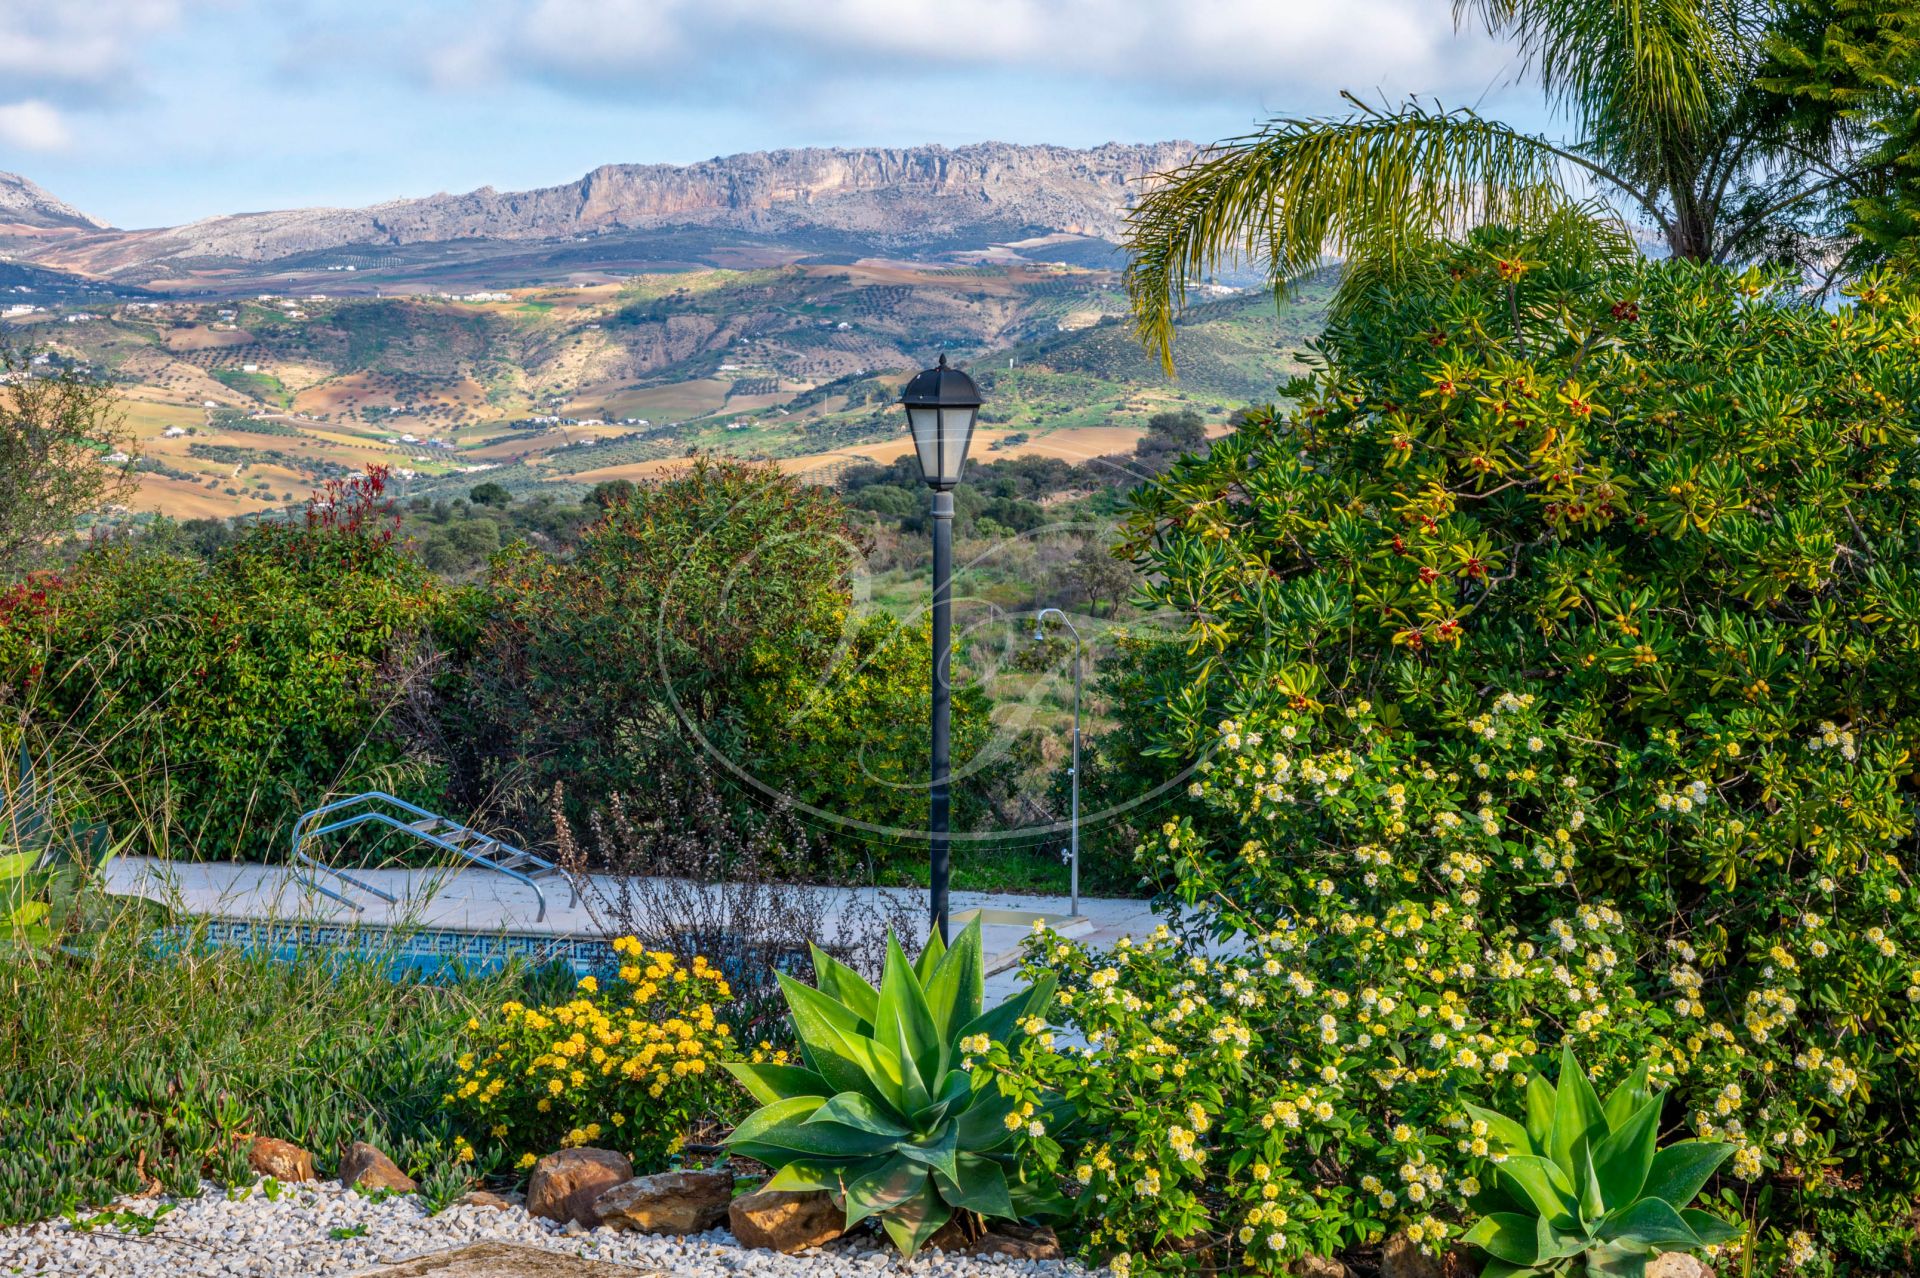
(942, 404)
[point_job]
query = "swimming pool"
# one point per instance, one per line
(416, 952)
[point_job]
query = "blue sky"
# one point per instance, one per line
(151, 112)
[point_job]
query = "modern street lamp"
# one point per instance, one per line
(942, 404)
(1073, 773)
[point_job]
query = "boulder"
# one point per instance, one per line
(364, 1167)
(280, 1160)
(777, 1220)
(1401, 1257)
(565, 1183)
(487, 1198)
(1319, 1267)
(675, 1202)
(1017, 1242)
(1677, 1264)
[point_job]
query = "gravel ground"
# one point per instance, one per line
(319, 1230)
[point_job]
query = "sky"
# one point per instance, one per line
(155, 112)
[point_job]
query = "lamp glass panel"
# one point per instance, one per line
(956, 431)
(925, 424)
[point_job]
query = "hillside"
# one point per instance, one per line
(25, 207)
(243, 406)
(817, 200)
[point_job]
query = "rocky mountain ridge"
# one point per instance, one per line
(898, 196)
(25, 205)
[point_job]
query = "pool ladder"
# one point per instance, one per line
(376, 808)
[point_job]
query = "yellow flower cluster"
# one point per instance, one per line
(627, 1060)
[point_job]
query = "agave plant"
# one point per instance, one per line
(1588, 1182)
(884, 1114)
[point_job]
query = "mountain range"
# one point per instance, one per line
(859, 201)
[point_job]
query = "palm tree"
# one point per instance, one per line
(1666, 97)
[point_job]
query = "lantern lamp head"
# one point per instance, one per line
(942, 405)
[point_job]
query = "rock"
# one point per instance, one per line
(1401, 1257)
(1677, 1264)
(280, 1160)
(777, 1220)
(487, 1198)
(1018, 1242)
(365, 1167)
(675, 1202)
(503, 1260)
(1319, 1267)
(565, 1183)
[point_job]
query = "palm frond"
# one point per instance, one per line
(1372, 186)
(1639, 79)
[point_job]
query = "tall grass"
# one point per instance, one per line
(137, 1058)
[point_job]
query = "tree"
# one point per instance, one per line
(1097, 574)
(1676, 120)
(1857, 62)
(610, 493)
(60, 436)
(490, 494)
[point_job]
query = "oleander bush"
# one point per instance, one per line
(632, 1064)
(1551, 676)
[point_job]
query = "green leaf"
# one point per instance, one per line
(939, 1152)
(1497, 1268)
(1593, 1202)
(1539, 1112)
(930, 955)
(785, 1126)
(844, 985)
(956, 985)
(769, 1083)
(851, 1109)
(980, 1187)
(1709, 1228)
(1618, 1262)
(1650, 1223)
(800, 1176)
(917, 1219)
(983, 1126)
(1679, 1170)
(1505, 1236)
(885, 1186)
(904, 1020)
(1576, 1113)
(1626, 1099)
(1001, 1024)
(1505, 1135)
(1539, 1181)
(1555, 1244)
(825, 1030)
(1624, 1158)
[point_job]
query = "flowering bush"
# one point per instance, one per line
(1413, 932)
(1565, 592)
(631, 1065)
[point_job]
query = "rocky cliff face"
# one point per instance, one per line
(903, 196)
(24, 205)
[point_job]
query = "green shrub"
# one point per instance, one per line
(630, 1066)
(1583, 589)
(705, 618)
(889, 1112)
(217, 700)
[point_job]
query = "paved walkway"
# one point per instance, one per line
(482, 901)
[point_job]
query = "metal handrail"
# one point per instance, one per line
(302, 835)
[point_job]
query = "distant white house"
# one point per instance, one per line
(249, 368)
(207, 403)
(174, 432)
(117, 459)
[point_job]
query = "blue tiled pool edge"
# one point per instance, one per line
(411, 951)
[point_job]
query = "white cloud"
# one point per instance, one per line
(75, 51)
(33, 125)
(1302, 50)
